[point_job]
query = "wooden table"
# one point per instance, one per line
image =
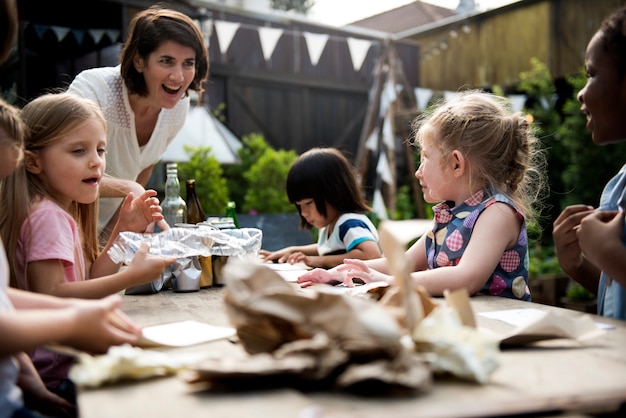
(542, 380)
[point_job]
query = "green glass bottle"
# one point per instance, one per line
(232, 213)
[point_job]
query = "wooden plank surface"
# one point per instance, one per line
(545, 379)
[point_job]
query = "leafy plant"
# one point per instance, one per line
(576, 291)
(542, 260)
(210, 183)
(254, 146)
(266, 180)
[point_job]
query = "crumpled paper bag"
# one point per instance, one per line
(311, 337)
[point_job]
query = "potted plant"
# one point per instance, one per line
(580, 299)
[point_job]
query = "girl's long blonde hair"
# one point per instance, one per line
(47, 118)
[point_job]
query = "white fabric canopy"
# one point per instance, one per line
(202, 129)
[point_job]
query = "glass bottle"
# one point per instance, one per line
(195, 213)
(174, 207)
(231, 212)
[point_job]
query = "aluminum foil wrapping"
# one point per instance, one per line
(189, 242)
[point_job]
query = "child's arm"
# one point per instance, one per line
(48, 277)
(85, 325)
(366, 250)
(282, 256)
(36, 394)
(601, 241)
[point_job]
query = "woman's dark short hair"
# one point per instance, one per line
(148, 30)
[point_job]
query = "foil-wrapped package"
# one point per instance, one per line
(188, 242)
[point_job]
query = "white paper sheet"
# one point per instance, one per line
(184, 333)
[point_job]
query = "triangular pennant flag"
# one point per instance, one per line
(225, 33)
(79, 35)
(372, 141)
(315, 43)
(269, 38)
(378, 205)
(450, 95)
(358, 51)
(96, 35)
(40, 30)
(517, 102)
(422, 96)
(387, 97)
(113, 34)
(60, 32)
(382, 168)
(388, 136)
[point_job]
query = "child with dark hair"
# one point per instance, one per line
(323, 186)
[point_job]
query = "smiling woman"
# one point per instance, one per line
(145, 100)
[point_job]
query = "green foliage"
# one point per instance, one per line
(302, 6)
(543, 261)
(576, 291)
(589, 166)
(538, 85)
(266, 182)
(254, 145)
(210, 183)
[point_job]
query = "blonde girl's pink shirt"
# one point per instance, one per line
(50, 233)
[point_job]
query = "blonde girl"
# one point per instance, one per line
(48, 214)
(479, 163)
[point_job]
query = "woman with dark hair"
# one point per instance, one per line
(145, 100)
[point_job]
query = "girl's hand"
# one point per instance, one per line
(320, 276)
(99, 324)
(141, 213)
(357, 269)
(276, 256)
(145, 267)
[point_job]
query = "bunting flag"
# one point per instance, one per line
(225, 33)
(517, 102)
(378, 205)
(450, 95)
(61, 32)
(387, 97)
(269, 38)
(422, 97)
(315, 43)
(383, 170)
(372, 141)
(358, 51)
(388, 136)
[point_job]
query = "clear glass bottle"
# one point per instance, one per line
(174, 207)
(195, 213)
